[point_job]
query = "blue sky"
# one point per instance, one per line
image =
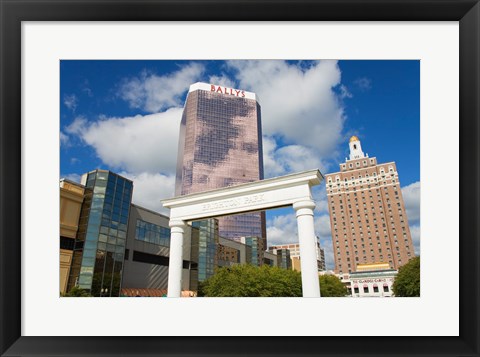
(124, 116)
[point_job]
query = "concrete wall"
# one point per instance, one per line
(146, 275)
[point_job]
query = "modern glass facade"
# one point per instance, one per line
(283, 259)
(221, 145)
(254, 251)
(207, 247)
(100, 244)
(152, 233)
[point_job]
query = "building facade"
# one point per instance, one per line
(294, 253)
(111, 247)
(71, 199)
(220, 145)
(367, 213)
(148, 250)
(99, 249)
(371, 280)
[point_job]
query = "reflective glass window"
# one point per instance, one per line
(102, 175)
(90, 245)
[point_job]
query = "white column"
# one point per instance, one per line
(308, 254)
(175, 265)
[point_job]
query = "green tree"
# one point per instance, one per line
(76, 292)
(250, 281)
(407, 281)
(331, 286)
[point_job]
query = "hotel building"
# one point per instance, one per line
(220, 145)
(367, 213)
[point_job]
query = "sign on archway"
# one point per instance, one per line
(290, 190)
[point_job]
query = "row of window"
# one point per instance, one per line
(152, 233)
(366, 289)
(364, 163)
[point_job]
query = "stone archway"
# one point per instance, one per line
(290, 190)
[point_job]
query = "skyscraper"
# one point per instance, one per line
(367, 213)
(221, 145)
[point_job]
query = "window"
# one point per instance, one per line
(375, 289)
(365, 289)
(385, 288)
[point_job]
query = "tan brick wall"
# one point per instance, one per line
(367, 215)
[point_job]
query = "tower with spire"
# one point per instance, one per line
(367, 213)
(355, 148)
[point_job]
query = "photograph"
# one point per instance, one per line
(137, 133)
(239, 178)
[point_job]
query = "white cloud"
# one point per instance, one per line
(77, 126)
(411, 197)
(222, 81)
(295, 158)
(320, 197)
(298, 105)
(153, 93)
(270, 166)
(344, 92)
(282, 229)
(128, 143)
(72, 177)
(64, 139)
(291, 158)
(363, 83)
(70, 102)
(150, 188)
(415, 233)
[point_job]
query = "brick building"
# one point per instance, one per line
(367, 213)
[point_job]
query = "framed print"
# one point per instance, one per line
(39, 39)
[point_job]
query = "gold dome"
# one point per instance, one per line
(354, 138)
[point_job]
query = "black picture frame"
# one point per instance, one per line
(13, 12)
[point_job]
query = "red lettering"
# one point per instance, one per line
(212, 88)
(243, 93)
(231, 91)
(238, 92)
(219, 89)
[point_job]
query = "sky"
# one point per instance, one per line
(124, 116)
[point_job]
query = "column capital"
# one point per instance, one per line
(177, 223)
(304, 204)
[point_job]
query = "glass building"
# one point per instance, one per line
(254, 250)
(221, 145)
(100, 243)
(283, 259)
(207, 247)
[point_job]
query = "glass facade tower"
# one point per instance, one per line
(221, 145)
(207, 247)
(100, 243)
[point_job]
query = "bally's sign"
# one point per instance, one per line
(229, 91)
